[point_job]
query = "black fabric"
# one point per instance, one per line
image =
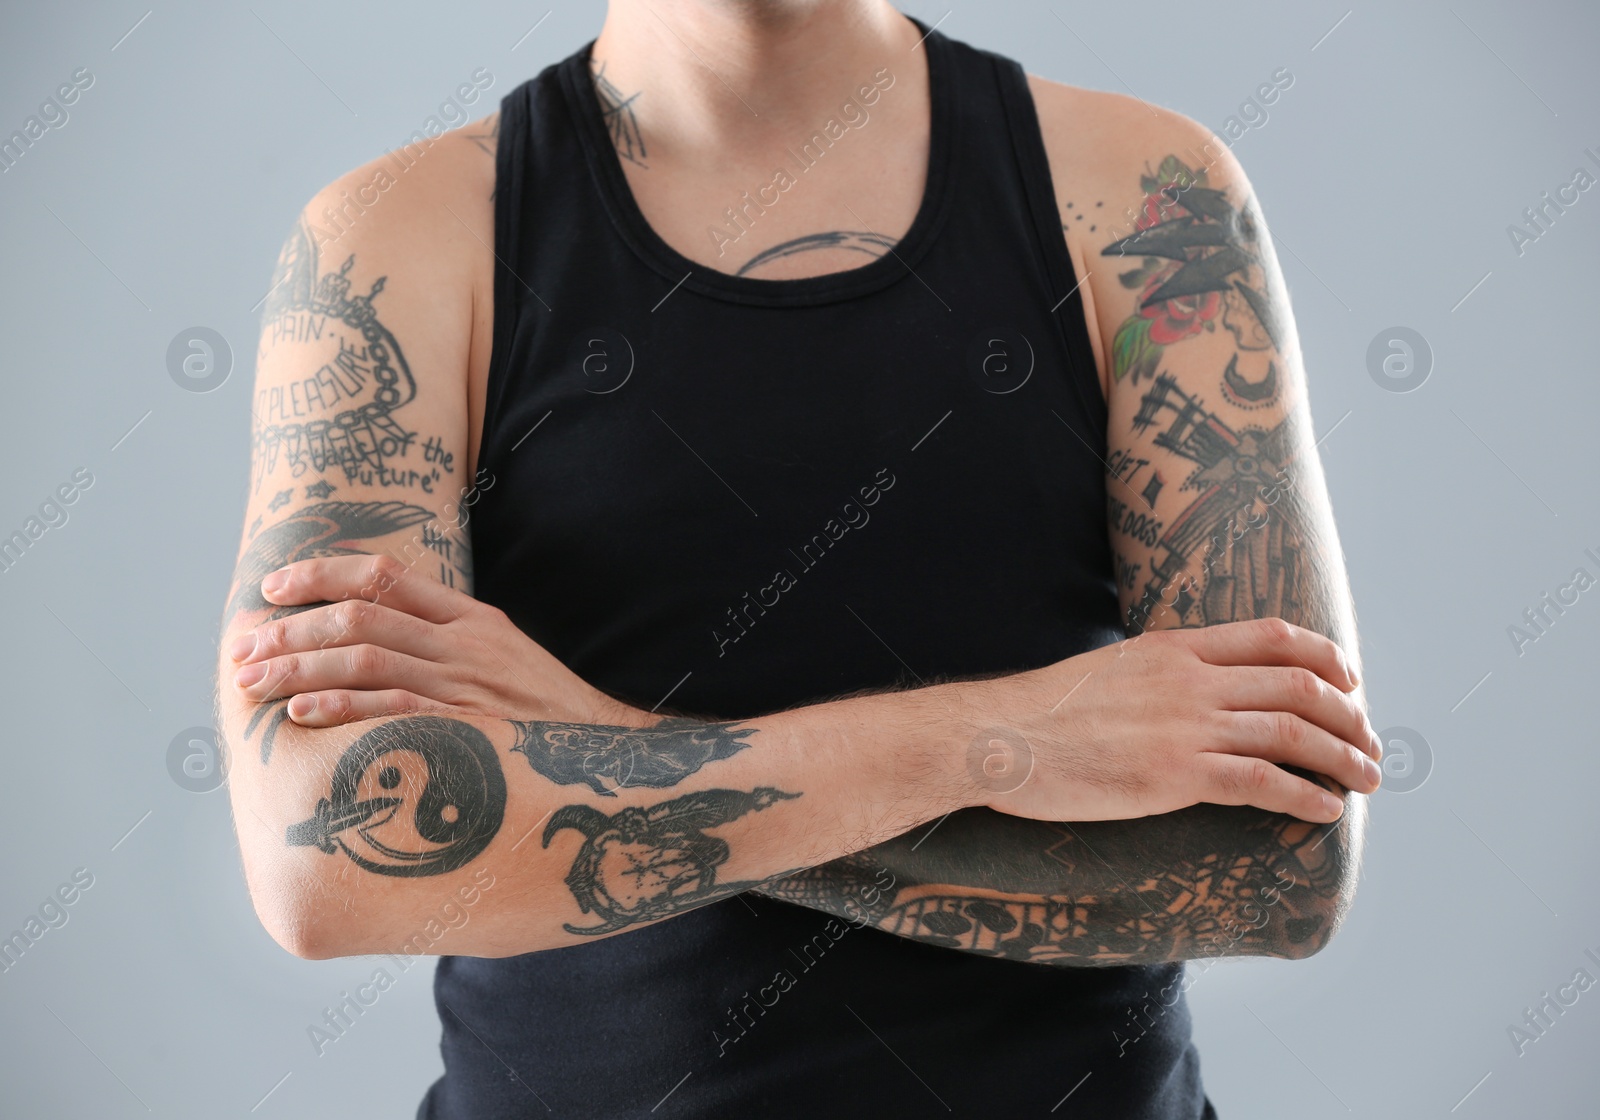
(851, 431)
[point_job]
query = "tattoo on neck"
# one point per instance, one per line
(617, 109)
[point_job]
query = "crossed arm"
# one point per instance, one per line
(355, 823)
(1218, 513)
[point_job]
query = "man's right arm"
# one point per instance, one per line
(353, 836)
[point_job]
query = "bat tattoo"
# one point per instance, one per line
(609, 758)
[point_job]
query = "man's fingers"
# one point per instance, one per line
(1272, 641)
(1255, 781)
(1303, 693)
(332, 707)
(348, 623)
(1280, 737)
(375, 579)
(361, 667)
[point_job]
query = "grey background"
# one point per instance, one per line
(1412, 136)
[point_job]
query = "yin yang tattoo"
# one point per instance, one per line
(419, 796)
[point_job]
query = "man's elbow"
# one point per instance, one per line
(302, 914)
(1310, 912)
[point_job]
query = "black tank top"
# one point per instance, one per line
(728, 496)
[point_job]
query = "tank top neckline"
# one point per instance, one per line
(628, 219)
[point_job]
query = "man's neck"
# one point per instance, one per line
(701, 75)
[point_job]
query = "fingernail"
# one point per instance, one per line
(302, 706)
(1370, 769)
(250, 674)
(274, 581)
(1332, 803)
(243, 646)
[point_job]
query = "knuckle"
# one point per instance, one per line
(282, 668)
(273, 637)
(351, 614)
(1302, 685)
(365, 659)
(1355, 759)
(384, 572)
(489, 612)
(1289, 730)
(1256, 775)
(1276, 630)
(337, 704)
(393, 701)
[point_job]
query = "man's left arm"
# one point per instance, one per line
(1218, 512)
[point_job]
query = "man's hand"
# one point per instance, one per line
(1154, 724)
(1173, 718)
(377, 639)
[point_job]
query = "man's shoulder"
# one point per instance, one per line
(1104, 144)
(1117, 163)
(431, 194)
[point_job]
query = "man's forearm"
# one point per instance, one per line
(1205, 881)
(351, 835)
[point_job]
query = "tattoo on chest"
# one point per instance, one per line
(851, 241)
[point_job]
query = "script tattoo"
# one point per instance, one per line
(418, 796)
(610, 758)
(642, 864)
(340, 414)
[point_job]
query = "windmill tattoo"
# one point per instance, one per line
(1253, 566)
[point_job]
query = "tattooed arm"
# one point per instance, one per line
(357, 824)
(1217, 512)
